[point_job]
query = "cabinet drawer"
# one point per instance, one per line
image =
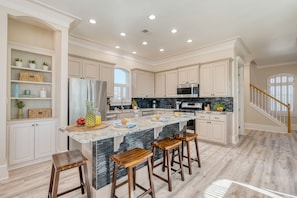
(202, 116)
(217, 117)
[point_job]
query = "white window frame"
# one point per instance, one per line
(279, 84)
(122, 101)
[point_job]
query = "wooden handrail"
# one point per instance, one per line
(278, 101)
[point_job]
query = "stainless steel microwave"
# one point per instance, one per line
(188, 90)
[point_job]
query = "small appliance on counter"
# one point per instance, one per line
(177, 104)
(154, 104)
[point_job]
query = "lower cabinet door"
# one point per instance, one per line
(21, 143)
(44, 139)
(217, 133)
(202, 129)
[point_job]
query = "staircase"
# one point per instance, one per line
(271, 107)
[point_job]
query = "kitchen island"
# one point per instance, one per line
(99, 145)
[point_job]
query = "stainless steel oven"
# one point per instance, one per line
(191, 107)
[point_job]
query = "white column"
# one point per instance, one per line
(62, 85)
(3, 96)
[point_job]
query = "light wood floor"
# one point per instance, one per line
(261, 159)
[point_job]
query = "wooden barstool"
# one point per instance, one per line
(65, 161)
(186, 137)
(167, 145)
(130, 159)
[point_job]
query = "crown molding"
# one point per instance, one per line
(276, 65)
(41, 11)
(92, 45)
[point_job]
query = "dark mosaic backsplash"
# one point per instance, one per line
(103, 150)
(169, 103)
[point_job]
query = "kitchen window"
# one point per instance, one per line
(121, 87)
(282, 87)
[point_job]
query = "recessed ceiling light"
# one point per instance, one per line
(144, 43)
(92, 21)
(161, 50)
(152, 17)
(134, 52)
(123, 34)
(189, 40)
(173, 31)
(117, 47)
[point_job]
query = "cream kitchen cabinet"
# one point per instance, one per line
(107, 74)
(213, 127)
(160, 84)
(143, 83)
(171, 83)
(80, 68)
(188, 75)
(30, 142)
(215, 79)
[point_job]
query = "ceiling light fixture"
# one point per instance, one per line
(152, 17)
(117, 47)
(173, 31)
(189, 40)
(123, 34)
(134, 52)
(161, 50)
(92, 21)
(144, 43)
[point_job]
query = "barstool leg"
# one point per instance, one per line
(56, 182)
(81, 180)
(50, 190)
(163, 165)
(87, 183)
(130, 182)
(189, 157)
(168, 170)
(197, 153)
(150, 174)
(114, 180)
(180, 164)
(134, 178)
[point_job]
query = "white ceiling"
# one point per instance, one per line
(268, 28)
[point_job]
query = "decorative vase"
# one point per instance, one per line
(32, 65)
(20, 113)
(19, 63)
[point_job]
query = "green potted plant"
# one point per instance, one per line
(45, 66)
(32, 64)
(219, 107)
(19, 62)
(20, 105)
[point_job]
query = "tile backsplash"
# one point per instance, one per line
(170, 103)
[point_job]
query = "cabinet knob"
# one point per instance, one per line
(33, 124)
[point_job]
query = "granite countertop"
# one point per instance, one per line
(141, 124)
(142, 109)
(214, 112)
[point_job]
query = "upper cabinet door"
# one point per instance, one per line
(143, 84)
(171, 83)
(107, 74)
(220, 78)
(215, 79)
(90, 70)
(206, 81)
(74, 67)
(188, 75)
(79, 68)
(160, 84)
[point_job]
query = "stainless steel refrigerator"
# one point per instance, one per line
(80, 91)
